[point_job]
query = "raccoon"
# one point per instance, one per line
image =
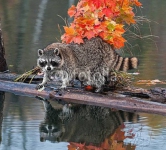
(90, 62)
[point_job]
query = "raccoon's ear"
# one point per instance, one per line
(40, 52)
(56, 51)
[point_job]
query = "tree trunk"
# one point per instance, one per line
(3, 64)
(3, 68)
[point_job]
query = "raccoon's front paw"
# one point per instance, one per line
(40, 87)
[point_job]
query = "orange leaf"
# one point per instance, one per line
(137, 3)
(102, 18)
(72, 10)
(69, 30)
(118, 42)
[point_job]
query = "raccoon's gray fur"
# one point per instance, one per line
(90, 62)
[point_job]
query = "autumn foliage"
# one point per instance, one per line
(103, 18)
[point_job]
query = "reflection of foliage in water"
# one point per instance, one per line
(84, 124)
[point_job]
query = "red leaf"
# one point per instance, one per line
(78, 39)
(107, 12)
(97, 3)
(78, 145)
(89, 34)
(88, 88)
(66, 38)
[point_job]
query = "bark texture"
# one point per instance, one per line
(3, 64)
(3, 67)
(76, 95)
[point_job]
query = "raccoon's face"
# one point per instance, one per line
(49, 59)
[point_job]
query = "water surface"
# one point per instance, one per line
(29, 25)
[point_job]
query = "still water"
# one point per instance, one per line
(29, 25)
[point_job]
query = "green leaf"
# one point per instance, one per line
(111, 27)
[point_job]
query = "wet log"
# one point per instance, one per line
(113, 101)
(156, 94)
(73, 95)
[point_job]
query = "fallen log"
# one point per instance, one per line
(112, 101)
(156, 94)
(80, 96)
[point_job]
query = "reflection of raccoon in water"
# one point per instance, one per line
(52, 128)
(82, 123)
(90, 62)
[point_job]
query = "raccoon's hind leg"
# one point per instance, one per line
(112, 79)
(99, 85)
(98, 81)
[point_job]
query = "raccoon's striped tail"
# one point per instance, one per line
(125, 64)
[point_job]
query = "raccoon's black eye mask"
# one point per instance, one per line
(54, 63)
(42, 63)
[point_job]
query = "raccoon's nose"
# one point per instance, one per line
(48, 68)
